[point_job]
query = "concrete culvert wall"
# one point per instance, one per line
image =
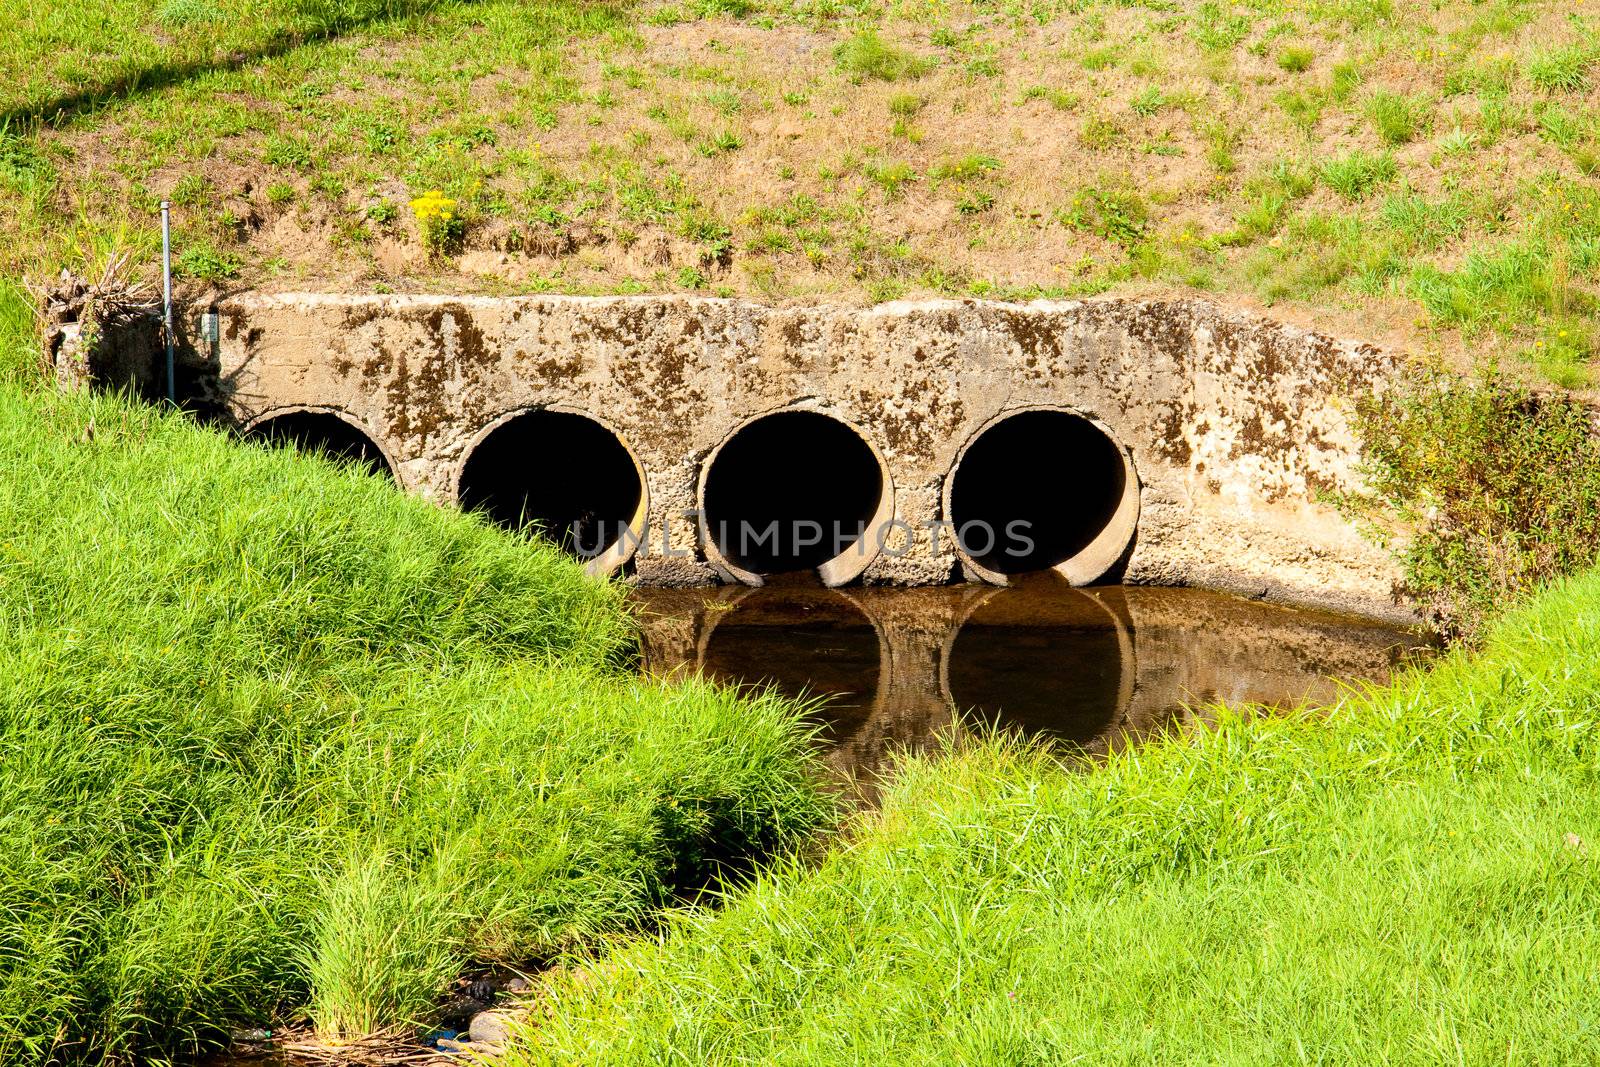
(1237, 427)
(564, 475)
(321, 432)
(794, 491)
(1043, 489)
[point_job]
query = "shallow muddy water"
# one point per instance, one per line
(1094, 668)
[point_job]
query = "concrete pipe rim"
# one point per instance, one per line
(836, 571)
(619, 552)
(1109, 545)
(252, 425)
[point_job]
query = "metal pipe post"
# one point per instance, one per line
(166, 297)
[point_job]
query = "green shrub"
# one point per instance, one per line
(206, 263)
(1486, 489)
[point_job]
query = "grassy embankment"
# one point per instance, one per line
(1419, 170)
(276, 738)
(1393, 883)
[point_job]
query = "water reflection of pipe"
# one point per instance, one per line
(1043, 658)
(896, 664)
(1099, 666)
(801, 640)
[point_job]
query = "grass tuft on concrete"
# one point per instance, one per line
(278, 741)
(1409, 878)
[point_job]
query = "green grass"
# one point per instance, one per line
(277, 740)
(58, 59)
(1356, 174)
(866, 55)
(1389, 882)
(1560, 68)
(1397, 118)
(1296, 59)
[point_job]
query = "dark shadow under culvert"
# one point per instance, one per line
(1043, 489)
(561, 474)
(794, 491)
(323, 433)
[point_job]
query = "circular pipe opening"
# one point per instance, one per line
(561, 475)
(794, 491)
(323, 433)
(1042, 489)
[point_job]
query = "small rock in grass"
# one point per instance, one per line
(518, 985)
(1574, 842)
(490, 1028)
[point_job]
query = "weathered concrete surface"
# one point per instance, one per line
(1234, 425)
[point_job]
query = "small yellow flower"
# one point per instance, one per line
(435, 214)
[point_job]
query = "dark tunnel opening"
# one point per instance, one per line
(1034, 490)
(791, 491)
(561, 474)
(324, 433)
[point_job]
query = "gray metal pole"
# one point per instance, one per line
(166, 296)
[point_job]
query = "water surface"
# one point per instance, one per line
(1091, 668)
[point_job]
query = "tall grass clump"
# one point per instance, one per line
(1409, 877)
(1560, 68)
(1397, 117)
(867, 55)
(278, 742)
(1486, 489)
(19, 350)
(1356, 174)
